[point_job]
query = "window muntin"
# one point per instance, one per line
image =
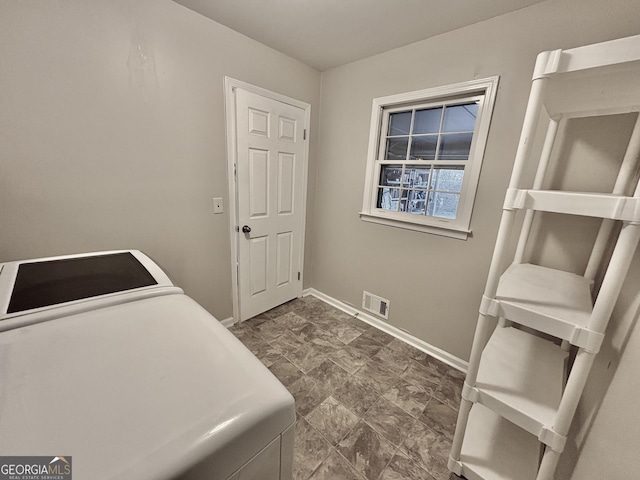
(425, 154)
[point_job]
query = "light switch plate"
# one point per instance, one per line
(217, 205)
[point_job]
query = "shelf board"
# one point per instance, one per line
(600, 205)
(521, 376)
(550, 301)
(495, 449)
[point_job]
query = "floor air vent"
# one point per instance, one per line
(377, 305)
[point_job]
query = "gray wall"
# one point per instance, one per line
(112, 132)
(435, 283)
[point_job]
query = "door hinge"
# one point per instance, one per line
(235, 170)
(298, 275)
(304, 134)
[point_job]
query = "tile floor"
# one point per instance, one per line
(368, 405)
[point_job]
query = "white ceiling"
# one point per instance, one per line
(328, 33)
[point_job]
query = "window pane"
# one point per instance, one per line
(416, 176)
(390, 175)
(388, 198)
(455, 146)
(443, 205)
(427, 121)
(460, 118)
(399, 123)
(397, 148)
(449, 179)
(424, 148)
(417, 201)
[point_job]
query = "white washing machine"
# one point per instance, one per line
(103, 359)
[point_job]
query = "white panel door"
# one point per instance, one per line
(270, 155)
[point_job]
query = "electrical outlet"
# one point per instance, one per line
(217, 205)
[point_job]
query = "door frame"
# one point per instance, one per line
(230, 84)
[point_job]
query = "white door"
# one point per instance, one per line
(271, 149)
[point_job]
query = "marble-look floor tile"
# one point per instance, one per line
(329, 375)
(409, 397)
(402, 347)
(378, 377)
(356, 395)
(358, 324)
(310, 450)
(308, 394)
(420, 374)
(402, 467)
(286, 343)
(313, 309)
(345, 332)
(440, 417)
(349, 358)
(398, 361)
(270, 330)
(254, 343)
(332, 419)
(290, 321)
(449, 391)
(367, 450)
(243, 330)
(439, 368)
(305, 332)
(335, 467)
(429, 449)
(456, 374)
(306, 358)
(379, 336)
(367, 346)
(389, 420)
(326, 342)
(285, 371)
(323, 321)
(266, 354)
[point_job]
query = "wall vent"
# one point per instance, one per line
(377, 305)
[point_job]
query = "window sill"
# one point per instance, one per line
(459, 234)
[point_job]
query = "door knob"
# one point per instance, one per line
(246, 229)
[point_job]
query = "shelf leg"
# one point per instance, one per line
(573, 391)
(483, 331)
(545, 156)
(529, 127)
(548, 465)
(461, 428)
(625, 175)
(615, 276)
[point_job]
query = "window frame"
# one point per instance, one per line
(482, 89)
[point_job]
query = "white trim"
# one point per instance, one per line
(421, 345)
(397, 222)
(227, 322)
(461, 226)
(230, 84)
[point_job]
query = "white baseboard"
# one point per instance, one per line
(227, 322)
(415, 342)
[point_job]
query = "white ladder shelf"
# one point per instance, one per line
(520, 396)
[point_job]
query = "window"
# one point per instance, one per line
(425, 154)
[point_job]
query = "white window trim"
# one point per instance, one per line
(460, 227)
